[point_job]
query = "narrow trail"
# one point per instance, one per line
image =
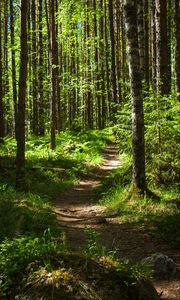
(77, 210)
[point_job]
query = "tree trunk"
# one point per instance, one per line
(153, 46)
(141, 37)
(41, 129)
(20, 156)
(107, 50)
(13, 63)
(146, 43)
(163, 80)
(138, 151)
(57, 59)
(113, 62)
(96, 68)
(52, 74)
(8, 124)
(177, 45)
(118, 49)
(102, 69)
(2, 129)
(87, 95)
(34, 69)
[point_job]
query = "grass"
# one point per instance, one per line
(48, 172)
(33, 257)
(32, 268)
(160, 218)
(31, 212)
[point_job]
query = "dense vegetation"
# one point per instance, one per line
(66, 92)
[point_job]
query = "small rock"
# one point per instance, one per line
(164, 267)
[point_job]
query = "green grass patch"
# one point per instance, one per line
(161, 219)
(32, 268)
(48, 172)
(22, 213)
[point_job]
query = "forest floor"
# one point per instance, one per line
(77, 210)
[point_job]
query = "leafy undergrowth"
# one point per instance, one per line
(47, 171)
(42, 268)
(34, 261)
(160, 218)
(22, 213)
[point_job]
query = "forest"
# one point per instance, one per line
(89, 149)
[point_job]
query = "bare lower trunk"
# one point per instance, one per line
(177, 45)
(2, 133)
(20, 157)
(138, 151)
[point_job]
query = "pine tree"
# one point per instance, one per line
(138, 148)
(20, 130)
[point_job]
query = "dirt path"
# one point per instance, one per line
(76, 210)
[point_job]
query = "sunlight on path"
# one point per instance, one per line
(75, 207)
(76, 211)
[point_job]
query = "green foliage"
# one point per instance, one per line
(118, 179)
(17, 254)
(24, 214)
(162, 141)
(161, 137)
(123, 129)
(32, 267)
(160, 219)
(48, 172)
(162, 170)
(92, 248)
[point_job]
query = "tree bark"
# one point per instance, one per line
(113, 59)
(141, 34)
(118, 49)
(13, 63)
(41, 129)
(146, 43)
(7, 121)
(177, 45)
(34, 68)
(138, 149)
(20, 156)
(2, 129)
(102, 24)
(163, 80)
(153, 46)
(96, 67)
(52, 73)
(87, 74)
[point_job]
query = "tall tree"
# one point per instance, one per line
(138, 148)
(162, 53)
(41, 128)
(20, 156)
(118, 49)
(34, 67)
(87, 73)
(96, 67)
(146, 43)
(113, 57)
(8, 127)
(52, 58)
(2, 132)
(13, 62)
(102, 24)
(177, 45)
(141, 35)
(153, 47)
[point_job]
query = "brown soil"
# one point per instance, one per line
(76, 210)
